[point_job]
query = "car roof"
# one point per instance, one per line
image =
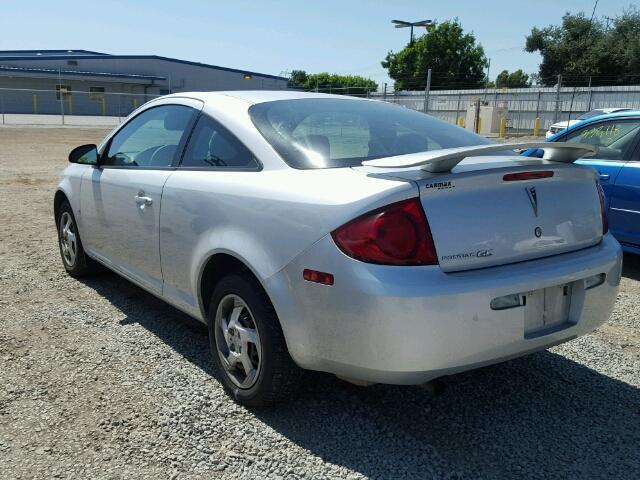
(611, 110)
(257, 96)
(599, 118)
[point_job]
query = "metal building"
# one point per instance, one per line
(83, 82)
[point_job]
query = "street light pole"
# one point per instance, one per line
(403, 24)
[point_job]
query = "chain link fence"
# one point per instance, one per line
(522, 111)
(526, 111)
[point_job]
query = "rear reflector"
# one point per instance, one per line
(508, 301)
(594, 281)
(514, 177)
(317, 277)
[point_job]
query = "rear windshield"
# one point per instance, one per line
(326, 132)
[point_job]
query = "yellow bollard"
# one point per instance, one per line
(536, 127)
(104, 106)
(69, 105)
(503, 127)
(135, 103)
(35, 104)
(461, 122)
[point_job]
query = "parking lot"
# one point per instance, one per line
(99, 379)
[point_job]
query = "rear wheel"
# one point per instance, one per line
(75, 261)
(247, 343)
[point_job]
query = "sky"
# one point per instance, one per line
(277, 36)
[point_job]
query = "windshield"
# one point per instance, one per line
(327, 132)
(592, 113)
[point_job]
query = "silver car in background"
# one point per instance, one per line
(343, 235)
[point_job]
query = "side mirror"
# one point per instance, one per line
(84, 154)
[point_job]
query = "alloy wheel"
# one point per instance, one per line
(68, 239)
(238, 341)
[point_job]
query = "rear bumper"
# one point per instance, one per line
(627, 247)
(407, 325)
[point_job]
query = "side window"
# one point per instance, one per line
(614, 139)
(151, 139)
(211, 145)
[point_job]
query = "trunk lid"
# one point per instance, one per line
(478, 219)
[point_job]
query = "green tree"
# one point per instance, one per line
(502, 80)
(517, 79)
(454, 57)
(580, 48)
(298, 78)
(332, 82)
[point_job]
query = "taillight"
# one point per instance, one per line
(397, 234)
(603, 209)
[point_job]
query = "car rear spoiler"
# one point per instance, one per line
(444, 160)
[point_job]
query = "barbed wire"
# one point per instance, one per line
(462, 81)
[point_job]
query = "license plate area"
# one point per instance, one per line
(546, 310)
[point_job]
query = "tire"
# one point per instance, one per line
(272, 375)
(74, 259)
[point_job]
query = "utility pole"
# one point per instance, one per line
(488, 70)
(427, 90)
(594, 11)
(60, 94)
(476, 116)
(486, 84)
(558, 86)
(573, 94)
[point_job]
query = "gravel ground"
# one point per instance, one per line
(99, 379)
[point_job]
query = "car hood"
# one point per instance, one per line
(564, 124)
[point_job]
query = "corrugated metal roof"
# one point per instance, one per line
(18, 55)
(53, 71)
(48, 53)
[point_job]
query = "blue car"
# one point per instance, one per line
(618, 164)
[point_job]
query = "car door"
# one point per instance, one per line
(624, 210)
(120, 199)
(200, 204)
(615, 139)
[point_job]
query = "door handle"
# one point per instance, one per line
(604, 177)
(142, 200)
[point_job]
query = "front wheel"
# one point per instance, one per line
(75, 261)
(247, 343)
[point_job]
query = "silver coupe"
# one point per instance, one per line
(343, 235)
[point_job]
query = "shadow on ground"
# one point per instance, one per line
(631, 266)
(541, 416)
